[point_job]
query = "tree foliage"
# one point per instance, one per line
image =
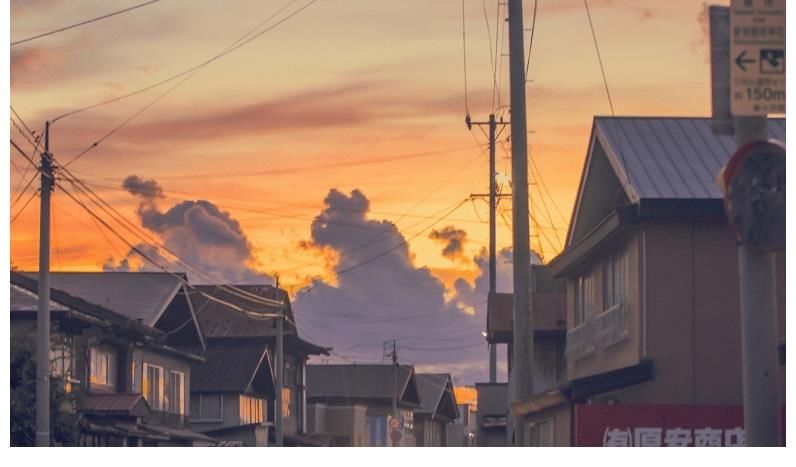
(63, 418)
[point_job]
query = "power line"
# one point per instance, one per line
(599, 57)
(22, 209)
(464, 50)
(231, 48)
(435, 349)
(83, 23)
(530, 43)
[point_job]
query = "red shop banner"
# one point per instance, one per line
(660, 425)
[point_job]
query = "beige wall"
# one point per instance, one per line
(347, 423)
(560, 416)
(689, 324)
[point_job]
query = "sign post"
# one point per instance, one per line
(757, 55)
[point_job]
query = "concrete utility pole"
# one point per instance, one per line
(521, 380)
(492, 240)
(492, 123)
(43, 315)
(759, 358)
(394, 387)
(280, 375)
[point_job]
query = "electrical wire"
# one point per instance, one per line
(83, 23)
(530, 43)
(33, 195)
(599, 57)
(229, 49)
(464, 53)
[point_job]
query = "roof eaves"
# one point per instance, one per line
(615, 158)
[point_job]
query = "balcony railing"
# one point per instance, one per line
(601, 331)
(611, 326)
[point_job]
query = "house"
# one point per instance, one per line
(111, 346)
(549, 367)
(227, 316)
(493, 401)
(438, 409)
(353, 403)
(230, 393)
(653, 344)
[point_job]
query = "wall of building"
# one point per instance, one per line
(560, 417)
(690, 324)
(348, 423)
(140, 355)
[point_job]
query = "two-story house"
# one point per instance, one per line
(224, 325)
(653, 345)
(354, 403)
(438, 409)
(114, 342)
(230, 393)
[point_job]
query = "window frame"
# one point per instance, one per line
(171, 391)
(96, 357)
(250, 410)
(201, 417)
(583, 297)
(615, 280)
(146, 383)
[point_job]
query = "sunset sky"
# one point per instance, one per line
(347, 95)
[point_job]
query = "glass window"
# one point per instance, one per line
(176, 392)
(153, 387)
(61, 357)
(614, 280)
(288, 404)
(100, 364)
(251, 410)
(206, 407)
(541, 433)
(584, 294)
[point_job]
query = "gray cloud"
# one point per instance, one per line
(147, 189)
(453, 239)
(389, 297)
(198, 232)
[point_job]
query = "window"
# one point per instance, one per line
(584, 294)
(288, 407)
(408, 421)
(614, 280)
(61, 357)
(541, 433)
(176, 393)
(251, 410)
(153, 387)
(206, 408)
(100, 367)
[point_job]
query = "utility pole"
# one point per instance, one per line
(760, 363)
(280, 375)
(43, 315)
(492, 123)
(394, 387)
(521, 380)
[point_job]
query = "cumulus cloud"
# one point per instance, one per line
(198, 232)
(453, 239)
(381, 294)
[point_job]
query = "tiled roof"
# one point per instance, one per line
(131, 404)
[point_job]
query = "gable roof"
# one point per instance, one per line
(219, 320)
(652, 158)
(234, 367)
(362, 382)
(436, 396)
(135, 295)
(24, 299)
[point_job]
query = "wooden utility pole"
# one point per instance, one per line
(43, 314)
(521, 378)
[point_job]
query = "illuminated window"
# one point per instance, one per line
(251, 410)
(100, 367)
(287, 402)
(153, 387)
